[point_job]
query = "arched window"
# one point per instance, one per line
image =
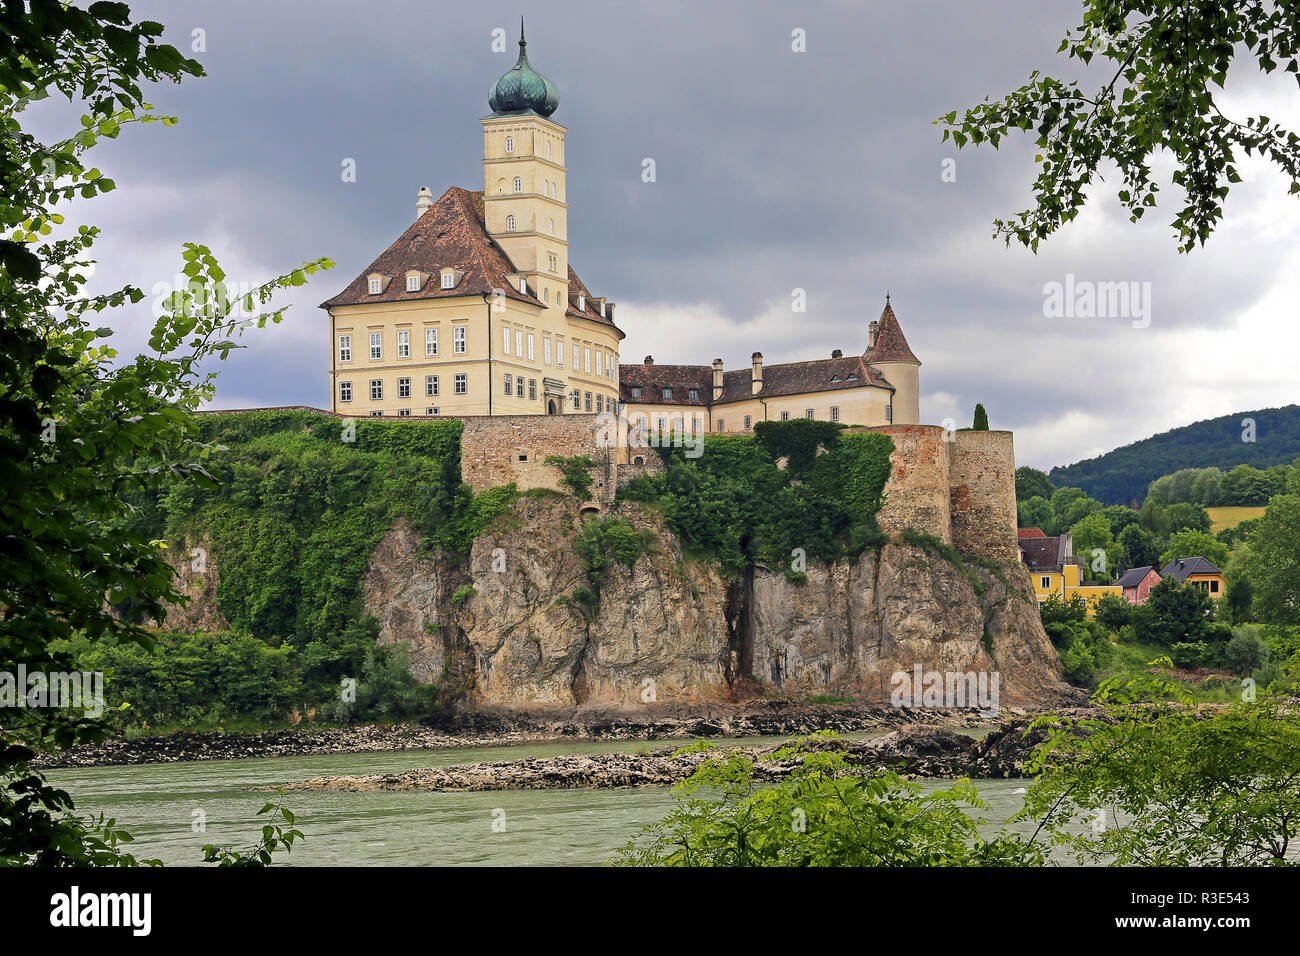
(510, 223)
(550, 226)
(519, 185)
(510, 144)
(548, 147)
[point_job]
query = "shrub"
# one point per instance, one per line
(1247, 651)
(605, 541)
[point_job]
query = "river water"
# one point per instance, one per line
(164, 805)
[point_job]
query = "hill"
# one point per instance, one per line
(1122, 475)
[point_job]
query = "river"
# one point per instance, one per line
(173, 809)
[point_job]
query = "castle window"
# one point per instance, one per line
(510, 384)
(550, 226)
(835, 413)
(785, 416)
(546, 296)
(458, 340)
(546, 350)
(376, 389)
(559, 354)
(599, 359)
(807, 413)
(404, 344)
(532, 347)
(668, 394)
(663, 426)
(431, 410)
(505, 340)
(404, 412)
(376, 286)
(449, 280)
(510, 144)
(532, 389)
(586, 361)
(889, 412)
(577, 400)
(519, 343)
(582, 302)
(403, 388)
(345, 391)
(413, 283)
(636, 391)
(461, 383)
(430, 341)
(600, 403)
(722, 426)
(519, 185)
(748, 422)
(577, 356)
(376, 413)
(510, 222)
(548, 147)
(553, 261)
(345, 348)
(693, 394)
(376, 345)
(430, 385)
(1045, 582)
(523, 285)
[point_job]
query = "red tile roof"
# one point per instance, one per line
(1029, 533)
(1042, 554)
(450, 234)
(792, 378)
(890, 344)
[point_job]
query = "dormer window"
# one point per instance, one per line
(413, 282)
(519, 185)
(602, 310)
(636, 391)
(510, 221)
(449, 280)
(510, 144)
(693, 394)
(523, 285)
(582, 303)
(376, 286)
(668, 394)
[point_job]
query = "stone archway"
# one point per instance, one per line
(550, 407)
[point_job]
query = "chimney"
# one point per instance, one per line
(872, 330)
(837, 354)
(717, 379)
(423, 200)
(649, 360)
(756, 373)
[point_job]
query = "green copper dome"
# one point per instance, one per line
(522, 88)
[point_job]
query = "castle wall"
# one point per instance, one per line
(917, 493)
(983, 494)
(500, 449)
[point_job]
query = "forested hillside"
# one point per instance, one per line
(1122, 476)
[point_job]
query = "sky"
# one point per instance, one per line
(775, 170)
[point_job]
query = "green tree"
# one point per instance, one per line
(1032, 483)
(1173, 614)
(1070, 506)
(1095, 545)
(1036, 513)
(82, 430)
(1185, 516)
(1274, 563)
(1195, 544)
(1247, 652)
(825, 812)
(981, 423)
(1113, 611)
(1247, 486)
(1140, 547)
(1162, 60)
(1174, 785)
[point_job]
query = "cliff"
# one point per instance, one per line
(507, 627)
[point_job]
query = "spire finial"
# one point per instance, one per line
(886, 297)
(522, 41)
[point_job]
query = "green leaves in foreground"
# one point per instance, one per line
(824, 813)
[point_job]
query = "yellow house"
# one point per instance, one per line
(1054, 570)
(1199, 572)
(475, 309)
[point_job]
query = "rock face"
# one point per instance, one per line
(197, 577)
(513, 628)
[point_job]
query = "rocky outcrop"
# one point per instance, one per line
(197, 578)
(518, 626)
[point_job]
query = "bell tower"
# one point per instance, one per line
(524, 179)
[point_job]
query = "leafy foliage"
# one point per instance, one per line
(734, 504)
(575, 473)
(605, 541)
(825, 812)
(1162, 58)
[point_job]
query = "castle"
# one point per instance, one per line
(476, 310)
